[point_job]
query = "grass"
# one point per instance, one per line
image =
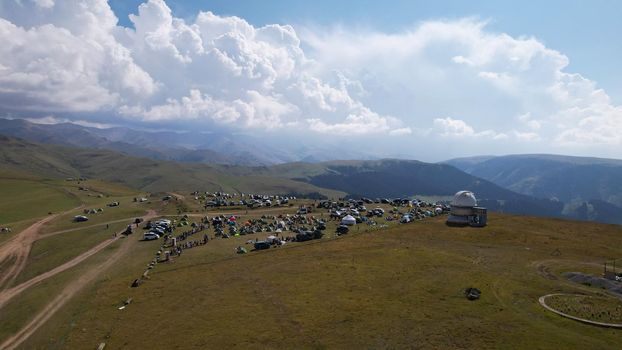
(25, 199)
(389, 288)
(53, 251)
(16, 227)
(593, 308)
(145, 174)
(19, 310)
(393, 288)
(69, 320)
(126, 210)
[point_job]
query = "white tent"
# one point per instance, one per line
(348, 220)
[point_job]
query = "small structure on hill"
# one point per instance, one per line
(465, 212)
(348, 220)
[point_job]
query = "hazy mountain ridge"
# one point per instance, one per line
(585, 185)
(550, 176)
(376, 179)
(67, 134)
(191, 147)
(146, 174)
(406, 178)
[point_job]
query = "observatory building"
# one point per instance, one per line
(465, 212)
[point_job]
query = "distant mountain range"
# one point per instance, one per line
(590, 188)
(388, 178)
(188, 147)
(546, 185)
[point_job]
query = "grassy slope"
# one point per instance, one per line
(30, 198)
(141, 173)
(49, 252)
(52, 251)
(395, 288)
(19, 310)
(24, 199)
(27, 198)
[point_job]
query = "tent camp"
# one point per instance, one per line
(348, 220)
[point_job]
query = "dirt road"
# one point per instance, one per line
(60, 300)
(9, 293)
(70, 290)
(49, 234)
(18, 248)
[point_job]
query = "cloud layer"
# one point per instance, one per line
(221, 70)
(451, 80)
(507, 86)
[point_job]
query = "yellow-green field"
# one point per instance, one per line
(27, 199)
(394, 287)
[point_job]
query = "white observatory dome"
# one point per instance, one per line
(464, 199)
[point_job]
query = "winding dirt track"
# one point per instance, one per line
(49, 234)
(19, 247)
(70, 290)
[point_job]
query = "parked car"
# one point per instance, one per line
(150, 236)
(80, 218)
(262, 245)
(342, 229)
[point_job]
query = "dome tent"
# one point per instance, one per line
(348, 220)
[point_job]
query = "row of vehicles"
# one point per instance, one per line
(327, 204)
(250, 203)
(157, 229)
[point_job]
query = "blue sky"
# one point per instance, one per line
(589, 32)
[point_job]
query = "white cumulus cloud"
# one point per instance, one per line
(449, 127)
(477, 78)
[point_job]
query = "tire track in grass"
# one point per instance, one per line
(68, 292)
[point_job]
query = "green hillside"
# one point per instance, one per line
(25, 197)
(140, 173)
(395, 288)
(390, 178)
(387, 178)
